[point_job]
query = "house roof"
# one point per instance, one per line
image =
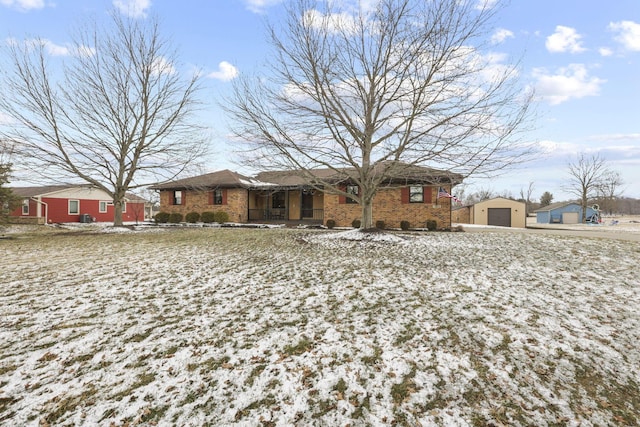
(223, 178)
(554, 206)
(39, 191)
(400, 174)
(47, 190)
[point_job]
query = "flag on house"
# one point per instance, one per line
(443, 193)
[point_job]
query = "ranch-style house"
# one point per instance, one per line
(416, 195)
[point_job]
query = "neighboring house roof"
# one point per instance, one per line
(51, 190)
(39, 191)
(400, 174)
(555, 206)
(223, 178)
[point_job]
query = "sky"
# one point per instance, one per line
(582, 58)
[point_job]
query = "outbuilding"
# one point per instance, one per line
(497, 211)
(562, 213)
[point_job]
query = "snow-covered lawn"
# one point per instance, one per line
(194, 327)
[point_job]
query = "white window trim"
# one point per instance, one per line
(69, 207)
(124, 207)
(25, 204)
(100, 205)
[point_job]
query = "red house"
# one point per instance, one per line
(73, 203)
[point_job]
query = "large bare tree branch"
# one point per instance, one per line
(403, 84)
(117, 115)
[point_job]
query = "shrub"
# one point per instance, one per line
(175, 218)
(356, 223)
(221, 217)
(432, 224)
(380, 224)
(331, 223)
(162, 217)
(208, 217)
(404, 225)
(192, 217)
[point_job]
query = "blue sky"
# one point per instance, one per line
(581, 56)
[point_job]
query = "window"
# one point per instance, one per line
(74, 207)
(278, 200)
(177, 197)
(352, 189)
(416, 194)
(217, 197)
(124, 206)
(25, 207)
(102, 207)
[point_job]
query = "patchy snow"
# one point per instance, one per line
(215, 326)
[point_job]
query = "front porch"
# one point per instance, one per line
(285, 205)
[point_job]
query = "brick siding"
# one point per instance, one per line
(200, 201)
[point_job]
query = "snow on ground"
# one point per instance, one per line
(284, 327)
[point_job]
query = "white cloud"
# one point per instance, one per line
(486, 4)
(52, 48)
(133, 8)
(565, 39)
(226, 72)
(258, 6)
(572, 82)
(605, 51)
(162, 66)
(501, 35)
(628, 34)
(23, 5)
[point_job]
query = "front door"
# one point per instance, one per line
(307, 205)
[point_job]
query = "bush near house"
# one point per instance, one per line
(221, 217)
(405, 225)
(192, 217)
(175, 218)
(356, 223)
(380, 225)
(162, 217)
(331, 223)
(432, 224)
(208, 217)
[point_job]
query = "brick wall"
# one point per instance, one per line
(236, 206)
(388, 207)
(462, 215)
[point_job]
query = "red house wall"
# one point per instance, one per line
(58, 211)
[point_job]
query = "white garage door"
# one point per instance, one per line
(570, 218)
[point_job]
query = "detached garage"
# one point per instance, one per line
(499, 212)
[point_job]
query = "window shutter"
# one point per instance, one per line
(428, 197)
(172, 199)
(341, 198)
(184, 197)
(224, 196)
(212, 194)
(404, 195)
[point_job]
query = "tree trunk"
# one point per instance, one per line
(117, 213)
(367, 214)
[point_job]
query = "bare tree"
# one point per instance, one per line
(8, 200)
(371, 93)
(119, 116)
(585, 178)
(525, 195)
(609, 191)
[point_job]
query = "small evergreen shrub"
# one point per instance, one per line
(221, 217)
(192, 217)
(356, 223)
(175, 218)
(208, 217)
(432, 224)
(162, 217)
(380, 224)
(404, 225)
(331, 223)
